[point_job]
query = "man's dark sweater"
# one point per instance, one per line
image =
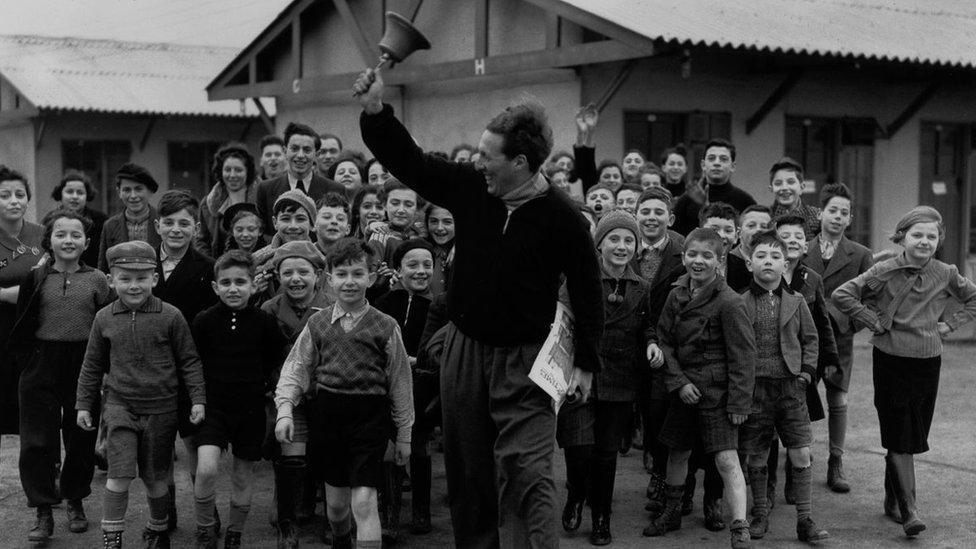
(239, 350)
(686, 208)
(507, 268)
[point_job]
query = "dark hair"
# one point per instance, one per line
(327, 135)
(175, 200)
(50, 218)
(347, 251)
(233, 150)
(719, 142)
(356, 158)
(720, 210)
(708, 236)
(526, 132)
(357, 201)
(394, 184)
(332, 200)
(461, 147)
(786, 163)
(835, 190)
(294, 128)
(632, 187)
(271, 139)
(74, 175)
(405, 248)
(246, 213)
(767, 237)
(369, 164)
(678, 149)
(604, 164)
(439, 154)
(651, 168)
(790, 219)
(552, 169)
(638, 151)
(7, 174)
(755, 208)
(656, 193)
(289, 206)
(234, 258)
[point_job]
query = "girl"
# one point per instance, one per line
(901, 300)
(55, 310)
(243, 228)
(440, 233)
(376, 173)
(234, 172)
(350, 171)
(366, 209)
(73, 193)
(610, 174)
(675, 168)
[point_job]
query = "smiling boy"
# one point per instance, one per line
(786, 183)
(135, 185)
(752, 220)
(331, 221)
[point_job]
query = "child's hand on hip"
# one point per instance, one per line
(284, 430)
(197, 414)
(689, 394)
(654, 355)
(85, 420)
(402, 455)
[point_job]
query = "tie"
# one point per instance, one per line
(301, 186)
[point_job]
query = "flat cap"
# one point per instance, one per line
(299, 248)
(134, 254)
(135, 172)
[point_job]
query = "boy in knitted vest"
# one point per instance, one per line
(350, 363)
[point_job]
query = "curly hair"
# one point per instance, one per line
(233, 150)
(526, 131)
(74, 175)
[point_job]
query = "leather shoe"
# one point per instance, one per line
(572, 515)
(601, 531)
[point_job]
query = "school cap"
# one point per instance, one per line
(299, 248)
(135, 172)
(231, 212)
(299, 198)
(616, 219)
(412, 244)
(134, 254)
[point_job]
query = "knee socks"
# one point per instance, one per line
(802, 480)
(158, 513)
(238, 516)
(837, 427)
(114, 505)
(205, 510)
(758, 480)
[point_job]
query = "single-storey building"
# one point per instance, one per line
(876, 94)
(93, 105)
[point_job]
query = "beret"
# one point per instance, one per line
(231, 212)
(135, 172)
(405, 247)
(134, 254)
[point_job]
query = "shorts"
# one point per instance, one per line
(242, 427)
(778, 406)
(138, 443)
(271, 447)
(685, 425)
(349, 435)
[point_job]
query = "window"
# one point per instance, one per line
(834, 150)
(189, 166)
(99, 160)
(653, 132)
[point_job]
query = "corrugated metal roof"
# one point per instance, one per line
(118, 77)
(939, 32)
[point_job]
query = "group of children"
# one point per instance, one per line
(312, 343)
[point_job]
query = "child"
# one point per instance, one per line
(902, 301)
(299, 266)
(752, 220)
(408, 304)
(292, 217)
(239, 345)
(440, 233)
(600, 199)
(650, 176)
(351, 358)
(55, 309)
(786, 353)
(722, 218)
(627, 196)
(135, 222)
(331, 221)
(709, 353)
(837, 259)
(786, 183)
(149, 347)
(401, 205)
(591, 432)
(243, 228)
(366, 209)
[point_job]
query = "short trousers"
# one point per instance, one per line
(779, 406)
(242, 427)
(349, 435)
(138, 443)
(685, 425)
(574, 424)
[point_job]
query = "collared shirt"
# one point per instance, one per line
(348, 319)
(651, 257)
(168, 262)
(828, 247)
(759, 291)
(306, 181)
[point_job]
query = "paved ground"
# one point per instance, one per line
(946, 476)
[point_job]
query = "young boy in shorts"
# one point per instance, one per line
(351, 359)
(786, 363)
(151, 352)
(709, 353)
(239, 345)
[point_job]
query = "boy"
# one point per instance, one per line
(752, 220)
(787, 184)
(709, 352)
(331, 221)
(627, 197)
(600, 199)
(786, 353)
(135, 222)
(350, 358)
(837, 259)
(239, 345)
(151, 352)
(292, 217)
(722, 218)
(272, 157)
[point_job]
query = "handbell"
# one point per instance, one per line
(401, 38)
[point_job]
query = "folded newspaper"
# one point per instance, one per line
(553, 368)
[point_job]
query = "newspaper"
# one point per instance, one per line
(553, 368)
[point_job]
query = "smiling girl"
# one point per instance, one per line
(74, 193)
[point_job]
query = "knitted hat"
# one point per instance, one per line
(135, 172)
(135, 255)
(616, 219)
(412, 244)
(298, 248)
(299, 198)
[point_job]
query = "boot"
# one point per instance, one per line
(807, 530)
(232, 540)
(687, 500)
(670, 519)
(713, 515)
(655, 495)
(903, 480)
(601, 530)
(391, 501)
(739, 534)
(758, 483)
(44, 527)
(155, 539)
(289, 479)
(420, 496)
(572, 514)
(111, 540)
(206, 537)
(77, 521)
(890, 500)
(835, 475)
(171, 511)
